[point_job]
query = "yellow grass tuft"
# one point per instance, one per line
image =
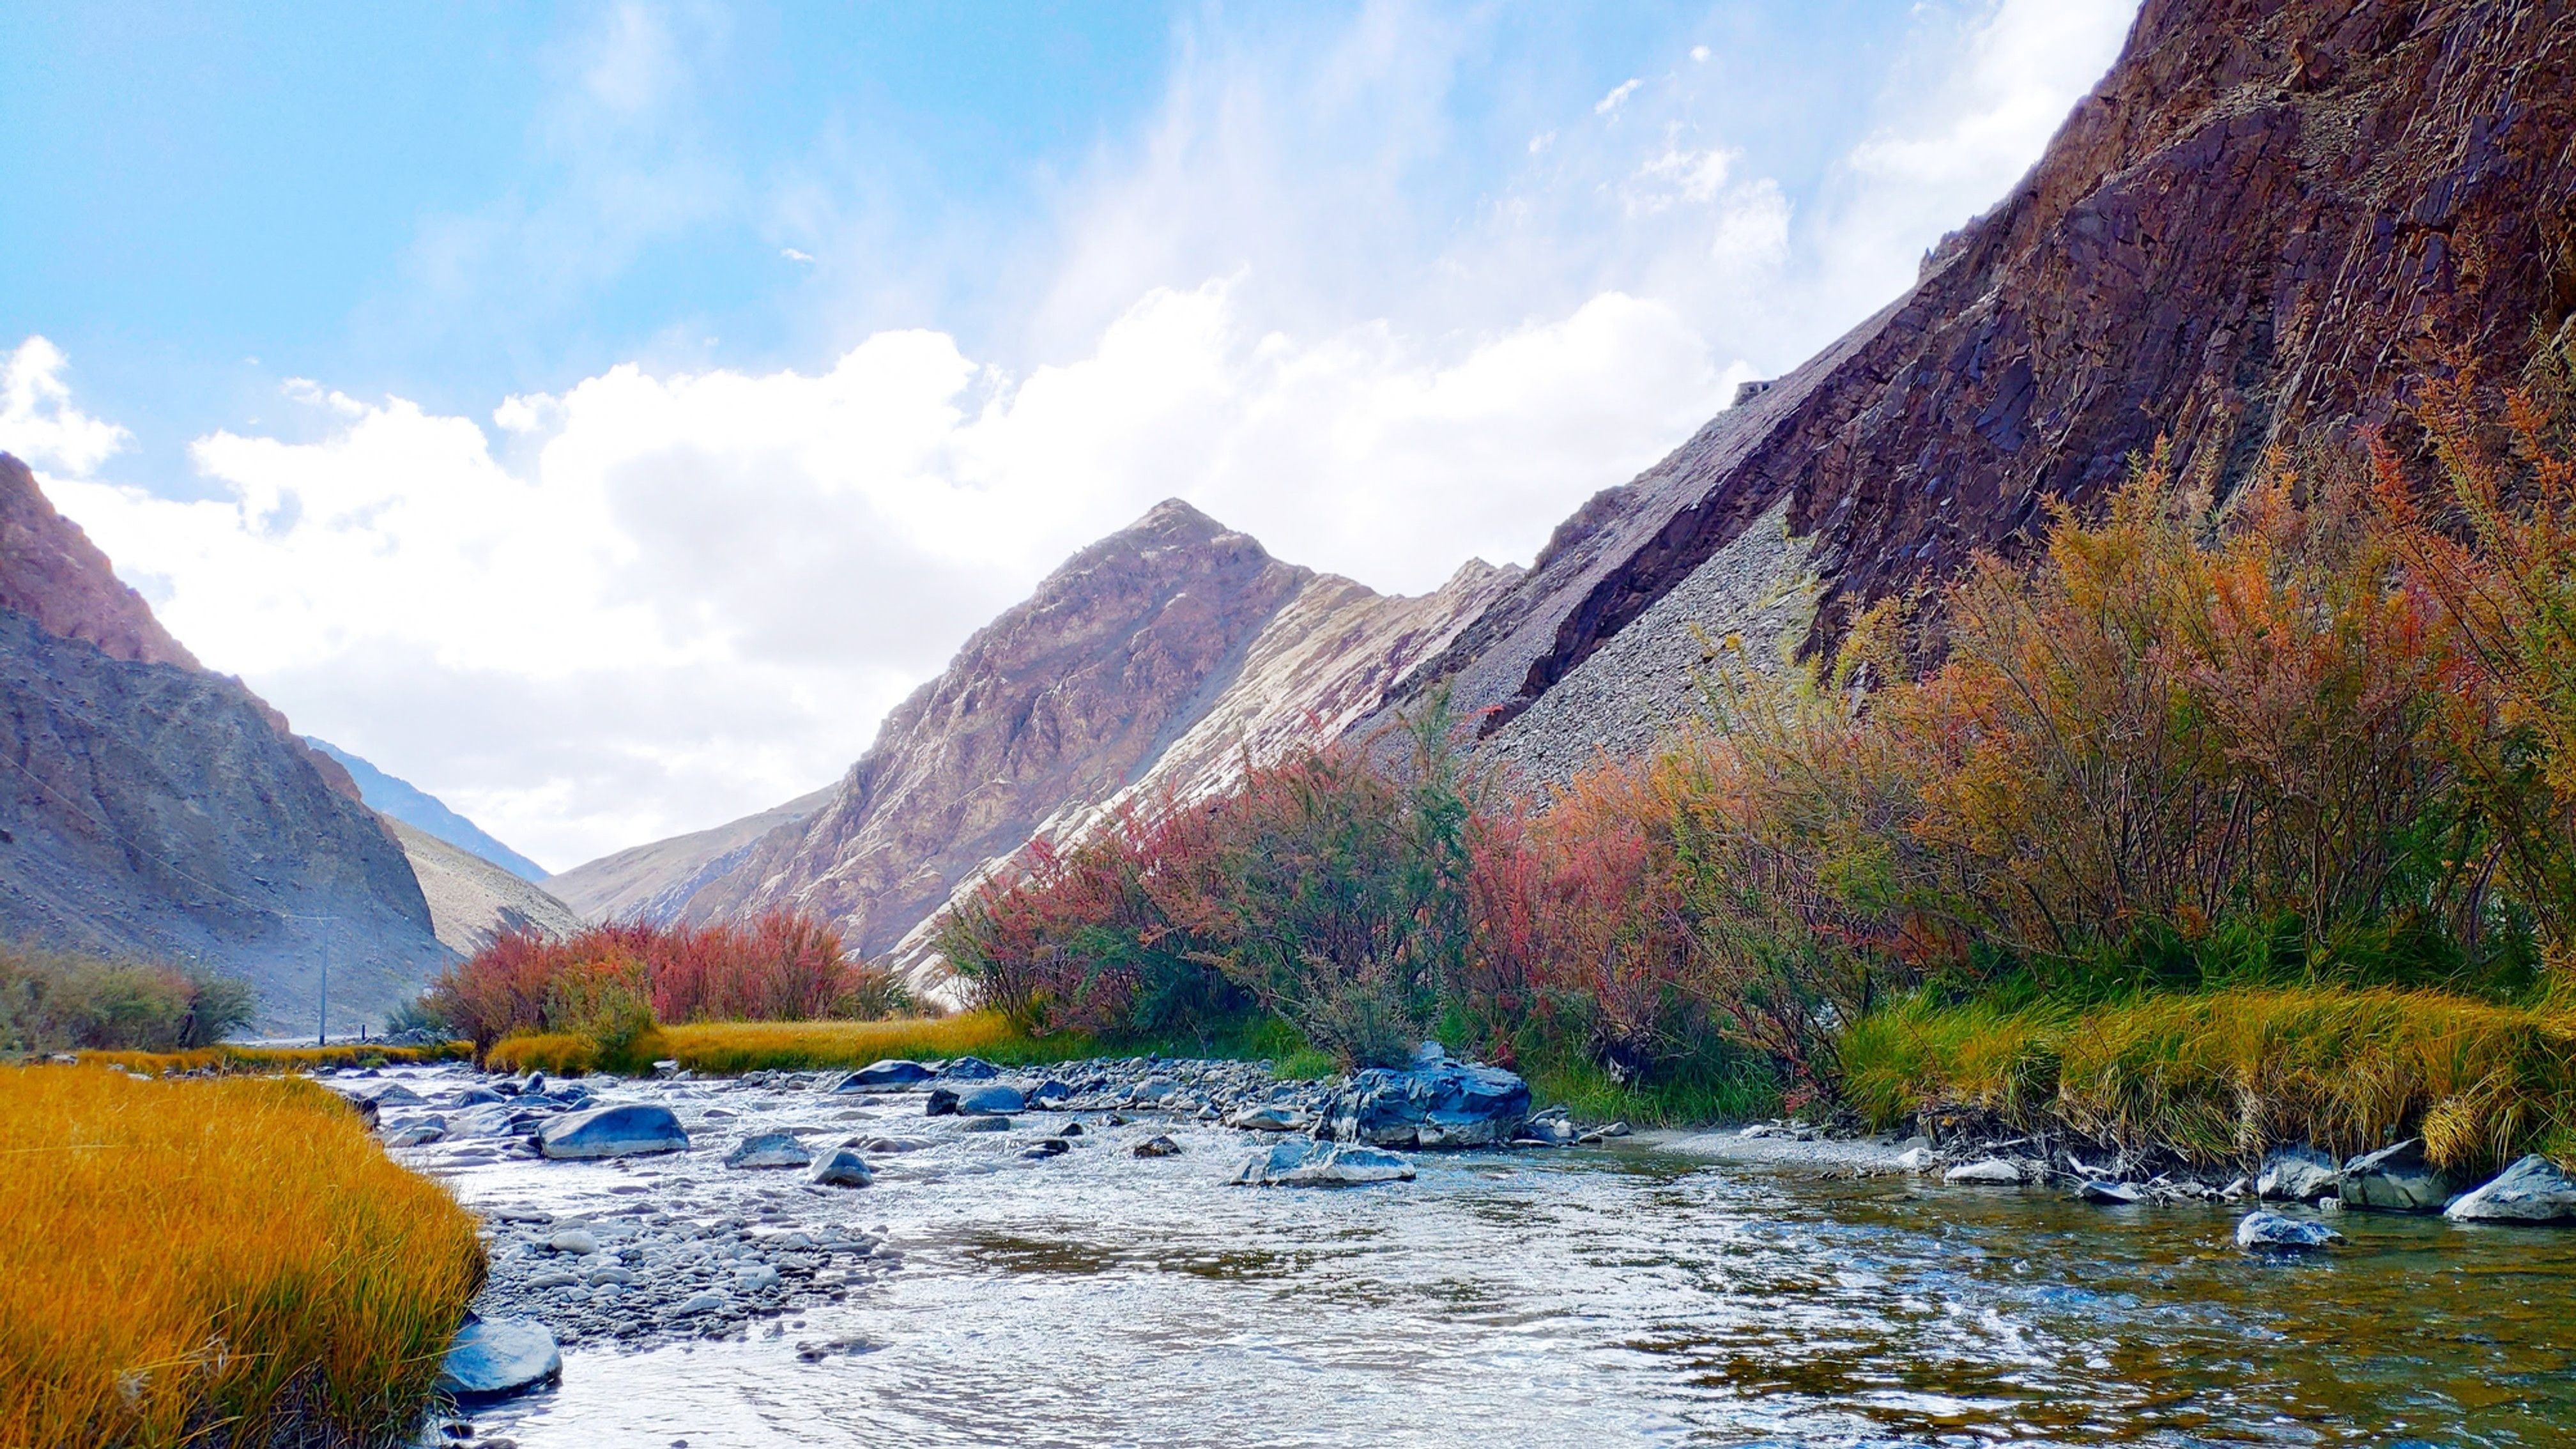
(214, 1262)
(2227, 1074)
(747, 1046)
(272, 1060)
(555, 1053)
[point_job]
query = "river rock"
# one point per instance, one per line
(884, 1075)
(940, 1103)
(633, 1130)
(2297, 1174)
(842, 1168)
(476, 1097)
(699, 1303)
(1991, 1171)
(769, 1149)
(395, 1094)
(2108, 1194)
(1915, 1159)
(417, 1134)
(1307, 1163)
(1269, 1117)
(2396, 1179)
(893, 1144)
(996, 1100)
(1158, 1146)
(576, 1241)
(755, 1278)
(1437, 1102)
(497, 1357)
(1049, 1093)
(1549, 1128)
(2534, 1190)
(969, 1069)
(2265, 1231)
(986, 1124)
(1048, 1147)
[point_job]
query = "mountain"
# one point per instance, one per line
(472, 899)
(400, 799)
(1150, 662)
(651, 882)
(2268, 215)
(155, 809)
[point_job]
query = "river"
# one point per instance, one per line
(1646, 1291)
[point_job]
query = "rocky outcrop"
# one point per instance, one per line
(152, 811)
(471, 899)
(1146, 668)
(653, 882)
(2267, 215)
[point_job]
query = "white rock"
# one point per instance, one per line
(1993, 1171)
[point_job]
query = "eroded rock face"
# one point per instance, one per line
(2255, 222)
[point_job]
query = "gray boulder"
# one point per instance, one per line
(995, 1100)
(884, 1076)
(1269, 1117)
(842, 1167)
(2396, 1180)
(2108, 1194)
(1158, 1146)
(629, 1131)
(2534, 1190)
(1437, 1102)
(969, 1069)
(417, 1134)
(494, 1358)
(1306, 1163)
(2297, 1174)
(1988, 1172)
(940, 1103)
(769, 1149)
(2265, 1231)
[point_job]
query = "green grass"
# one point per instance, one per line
(1684, 1099)
(2223, 1075)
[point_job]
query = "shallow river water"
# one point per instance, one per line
(1637, 1293)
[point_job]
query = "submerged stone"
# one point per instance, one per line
(1306, 1163)
(769, 1149)
(2265, 1231)
(880, 1076)
(842, 1167)
(1989, 1172)
(991, 1101)
(497, 1357)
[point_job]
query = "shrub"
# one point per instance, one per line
(613, 983)
(54, 1001)
(227, 1262)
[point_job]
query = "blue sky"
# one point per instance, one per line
(599, 414)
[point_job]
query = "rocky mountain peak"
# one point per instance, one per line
(51, 572)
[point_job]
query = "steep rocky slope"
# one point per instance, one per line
(1151, 661)
(652, 882)
(150, 808)
(472, 899)
(399, 799)
(2266, 215)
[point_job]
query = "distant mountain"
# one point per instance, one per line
(472, 900)
(1152, 662)
(651, 882)
(417, 808)
(149, 808)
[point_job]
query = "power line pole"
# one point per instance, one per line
(322, 1022)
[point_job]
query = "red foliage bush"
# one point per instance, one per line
(781, 967)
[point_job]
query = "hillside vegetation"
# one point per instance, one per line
(2314, 751)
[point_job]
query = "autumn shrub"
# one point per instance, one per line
(53, 1001)
(612, 984)
(215, 1262)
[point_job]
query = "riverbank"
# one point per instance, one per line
(234, 1259)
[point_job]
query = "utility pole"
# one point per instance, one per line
(322, 1022)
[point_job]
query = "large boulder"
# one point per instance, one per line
(994, 1100)
(884, 1076)
(2396, 1180)
(630, 1131)
(1436, 1102)
(2534, 1190)
(969, 1069)
(1986, 1172)
(2265, 1231)
(494, 1358)
(1307, 1163)
(2297, 1174)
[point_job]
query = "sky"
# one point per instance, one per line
(600, 414)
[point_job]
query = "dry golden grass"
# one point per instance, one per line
(2223, 1075)
(213, 1262)
(557, 1054)
(272, 1060)
(746, 1046)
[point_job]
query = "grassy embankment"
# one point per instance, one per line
(2217, 1077)
(274, 1061)
(212, 1262)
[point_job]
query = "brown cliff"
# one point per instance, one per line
(2266, 216)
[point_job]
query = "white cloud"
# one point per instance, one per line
(793, 255)
(1699, 53)
(1618, 96)
(37, 419)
